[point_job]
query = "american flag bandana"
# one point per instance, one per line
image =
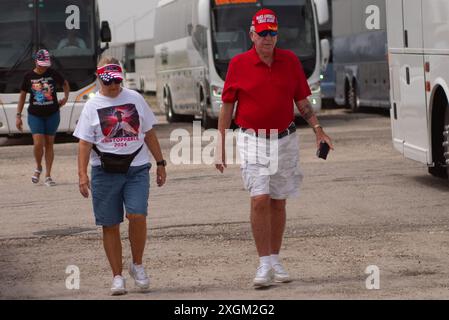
(109, 72)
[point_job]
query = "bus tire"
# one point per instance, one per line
(352, 98)
(206, 121)
(438, 172)
(446, 141)
(170, 115)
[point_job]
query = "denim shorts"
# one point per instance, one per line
(114, 192)
(44, 125)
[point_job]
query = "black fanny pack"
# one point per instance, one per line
(116, 163)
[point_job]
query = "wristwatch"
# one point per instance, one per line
(161, 163)
(18, 114)
(316, 127)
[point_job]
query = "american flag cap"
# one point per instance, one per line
(109, 72)
(42, 58)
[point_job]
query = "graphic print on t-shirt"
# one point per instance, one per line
(42, 91)
(119, 121)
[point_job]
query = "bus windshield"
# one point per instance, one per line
(231, 21)
(16, 30)
(66, 28)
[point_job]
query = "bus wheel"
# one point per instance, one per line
(206, 121)
(352, 98)
(441, 147)
(169, 113)
(446, 141)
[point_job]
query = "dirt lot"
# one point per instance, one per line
(364, 206)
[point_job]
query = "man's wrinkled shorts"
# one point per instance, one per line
(111, 192)
(270, 167)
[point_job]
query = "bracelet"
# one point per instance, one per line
(317, 126)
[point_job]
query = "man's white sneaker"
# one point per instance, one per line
(264, 276)
(137, 272)
(280, 275)
(118, 286)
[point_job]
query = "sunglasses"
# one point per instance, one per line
(109, 82)
(267, 32)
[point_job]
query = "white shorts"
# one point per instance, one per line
(270, 167)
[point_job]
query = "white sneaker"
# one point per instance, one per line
(280, 275)
(137, 272)
(264, 276)
(118, 286)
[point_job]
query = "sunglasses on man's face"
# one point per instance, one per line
(111, 81)
(267, 32)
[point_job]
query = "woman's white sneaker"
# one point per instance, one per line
(264, 276)
(137, 272)
(118, 286)
(280, 275)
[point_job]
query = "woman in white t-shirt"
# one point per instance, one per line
(118, 121)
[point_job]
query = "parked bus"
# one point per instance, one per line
(193, 50)
(418, 46)
(359, 51)
(27, 25)
(144, 60)
(327, 79)
(125, 53)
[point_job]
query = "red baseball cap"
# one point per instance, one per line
(264, 19)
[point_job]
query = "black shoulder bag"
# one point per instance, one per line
(116, 163)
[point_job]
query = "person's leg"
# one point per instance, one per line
(261, 227)
(136, 193)
(278, 218)
(37, 128)
(49, 154)
(51, 126)
(38, 150)
(113, 248)
(261, 224)
(137, 236)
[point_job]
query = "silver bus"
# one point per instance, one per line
(359, 50)
(196, 39)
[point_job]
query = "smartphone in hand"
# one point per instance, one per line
(323, 150)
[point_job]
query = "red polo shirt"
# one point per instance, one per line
(265, 94)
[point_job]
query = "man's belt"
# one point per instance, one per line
(286, 132)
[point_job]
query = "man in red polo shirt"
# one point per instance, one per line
(265, 82)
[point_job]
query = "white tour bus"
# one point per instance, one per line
(196, 39)
(28, 25)
(418, 45)
(144, 60)
(125, 53)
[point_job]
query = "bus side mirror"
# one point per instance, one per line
(105, 32)
(325, 53)
(322, 11)
(203, 12)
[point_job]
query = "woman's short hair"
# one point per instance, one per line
(107, 60)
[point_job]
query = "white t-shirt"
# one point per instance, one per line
(116, 125)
